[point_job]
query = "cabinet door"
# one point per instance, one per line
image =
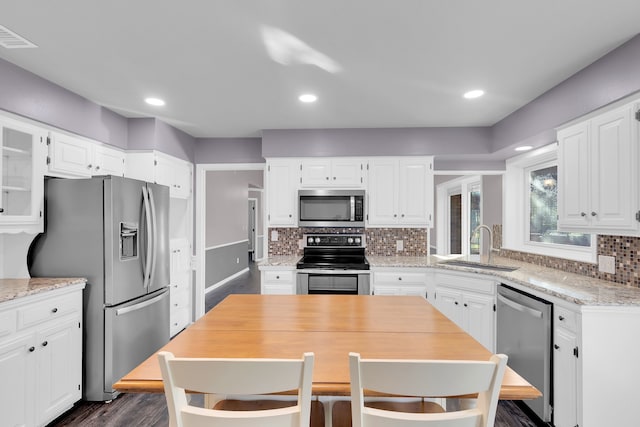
(59, 369)
(573, 176)
(449, 303)
(70, 156)
(316, 173)
(347, 173)
(18, 382)
(383, 192)
(164, 172)
(565, 412)
(108, 161)
(282, 193)
(21, 184)
(479, 319)
(613, 170)
(415, 191)
(183, 178)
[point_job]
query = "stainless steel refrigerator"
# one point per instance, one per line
(113, 231)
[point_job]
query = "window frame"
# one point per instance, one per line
(516, 209)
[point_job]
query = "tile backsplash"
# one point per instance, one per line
(383, 242)
(380, 241)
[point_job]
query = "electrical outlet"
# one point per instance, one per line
(274, 235)
(399, 245)
(607, 264)
(237, 260)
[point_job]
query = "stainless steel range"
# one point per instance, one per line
(333, 264)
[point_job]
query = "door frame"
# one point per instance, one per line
(255, 225)
(201, 184)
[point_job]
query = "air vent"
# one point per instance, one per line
(11, 40)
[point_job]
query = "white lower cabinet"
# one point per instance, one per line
(278, 282)
(40, 356)
(469, 300)
(565, 367)
(180, 285)
(399, 281)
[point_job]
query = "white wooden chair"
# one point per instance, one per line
(425, 378)
(236, 377)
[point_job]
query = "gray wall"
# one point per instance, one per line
(228, 150)
(224, 262)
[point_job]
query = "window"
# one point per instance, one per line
(530, 219)
(543, 210)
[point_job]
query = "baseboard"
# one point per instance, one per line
(223, 281)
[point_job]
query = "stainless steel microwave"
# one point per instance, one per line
(331, 208)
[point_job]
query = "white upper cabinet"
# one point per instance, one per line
(163, 169)
(334, 172)
(400, 191)
(71, 156)
(597, 173)
(282, 192)
(21, 176)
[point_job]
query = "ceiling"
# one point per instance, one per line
(229, 68)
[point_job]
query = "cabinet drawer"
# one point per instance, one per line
(179, 320)
(565, 318)
(279, 276)
(399, 278)
(47, 310)
(179, 299)
(473, 283)
(7, 323)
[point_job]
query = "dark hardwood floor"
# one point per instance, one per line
(139, 409)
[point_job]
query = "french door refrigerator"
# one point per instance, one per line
(114, 232)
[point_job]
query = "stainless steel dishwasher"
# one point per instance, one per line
(524, 334)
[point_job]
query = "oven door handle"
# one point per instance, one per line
(522, 308)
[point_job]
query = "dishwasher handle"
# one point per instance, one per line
(522, 308)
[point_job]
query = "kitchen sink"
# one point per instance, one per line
(471, 264)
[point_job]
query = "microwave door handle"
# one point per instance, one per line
(147, 236)
(154, 233)
(353, 208)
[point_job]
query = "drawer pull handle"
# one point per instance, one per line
(44, 344)
(456, 303)
(561, 318)
(277, 277)
(55, 310)
(556, 346)
(399, 278)
(465, 304)
(32, 349)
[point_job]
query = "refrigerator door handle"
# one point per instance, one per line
(148, 237)
(139, 306)
(154, 233)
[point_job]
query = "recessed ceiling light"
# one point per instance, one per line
(154, 101)
(523, 148)
(308, 97)
(474, 94)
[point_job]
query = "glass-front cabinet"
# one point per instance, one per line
(21, 177)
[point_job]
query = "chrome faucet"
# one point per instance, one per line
(476, 230)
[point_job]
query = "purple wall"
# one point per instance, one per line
(142, 133)
(174, 142)
(28, 95)
(375, 142)
(228, 150)
(610, 78)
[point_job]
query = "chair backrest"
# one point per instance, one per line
(426, 378)
(236, 377)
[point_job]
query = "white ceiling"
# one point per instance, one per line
(230, 68)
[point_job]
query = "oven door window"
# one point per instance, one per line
(333, 284)
(325, 208)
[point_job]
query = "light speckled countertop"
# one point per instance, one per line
(16, 288)
(575, 288)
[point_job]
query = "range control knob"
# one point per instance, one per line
(310, 240)
(357, 240)
(350, 240)
(317, 240)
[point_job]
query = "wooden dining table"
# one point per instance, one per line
(330, 326)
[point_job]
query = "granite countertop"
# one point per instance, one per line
(16, 288)
(575, 288)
